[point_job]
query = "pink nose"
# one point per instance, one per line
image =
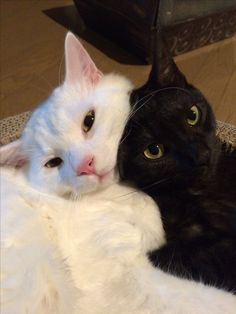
(86, 166)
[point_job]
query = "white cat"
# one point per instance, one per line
(81, 217)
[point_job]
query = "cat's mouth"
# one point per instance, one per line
(87, 183)
(102, 177)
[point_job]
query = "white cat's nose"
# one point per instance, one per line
(86, 166)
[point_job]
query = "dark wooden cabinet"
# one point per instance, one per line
(187, 24)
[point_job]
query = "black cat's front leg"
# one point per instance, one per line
(207, 261)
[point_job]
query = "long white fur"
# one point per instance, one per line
(77, 244)
(34, 277)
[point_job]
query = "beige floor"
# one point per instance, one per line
(32, 58)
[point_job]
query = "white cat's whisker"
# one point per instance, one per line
(47, 82)
(60, 69)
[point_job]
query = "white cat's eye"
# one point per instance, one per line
(154, 151)
(54, 162)
(88, 121)
(193, 115)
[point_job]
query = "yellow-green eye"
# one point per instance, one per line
(88, 121)
(154, 151)
(193, 115)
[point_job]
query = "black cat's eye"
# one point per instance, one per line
(154, 151)
(193, 115)
(54, 162)
(88, 121)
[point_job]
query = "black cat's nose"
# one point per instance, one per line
(198, 162)
(191, 155)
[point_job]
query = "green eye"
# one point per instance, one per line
(154, 151)
(88, 121)
(193, 115)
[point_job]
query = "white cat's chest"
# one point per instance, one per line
(107, 231)
(104, 243)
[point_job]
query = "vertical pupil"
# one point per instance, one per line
(154, 149)
(192, 115)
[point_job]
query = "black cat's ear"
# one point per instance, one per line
(164, 72)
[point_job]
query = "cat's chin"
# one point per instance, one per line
(91, 183)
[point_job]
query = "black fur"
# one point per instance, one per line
(194, 183)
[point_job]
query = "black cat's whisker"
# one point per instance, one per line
(137, 191)
(164, 89)
(168, 179)
(124, 138)
(150, 95)
(127, 194)
(146, 187)
(133, 112)
(156, 183)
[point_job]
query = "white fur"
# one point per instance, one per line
(100, 230)
(63, 135)
(111, 231)
(34, 277)
(103, 238)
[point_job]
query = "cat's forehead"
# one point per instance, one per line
(74, 101)
(60, 117)
(173, 99)
(168, 102)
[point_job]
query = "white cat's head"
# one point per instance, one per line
(70, 143)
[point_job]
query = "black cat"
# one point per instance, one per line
(170, 150)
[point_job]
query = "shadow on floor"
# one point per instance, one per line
(69, 17)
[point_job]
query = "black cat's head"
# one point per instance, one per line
(170, 136)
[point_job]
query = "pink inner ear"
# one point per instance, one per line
(93, 76)
(12, 155)
(80, 68)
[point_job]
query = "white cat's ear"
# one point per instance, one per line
(79, 66)
(13, 154)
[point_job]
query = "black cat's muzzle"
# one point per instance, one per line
(193, 156)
